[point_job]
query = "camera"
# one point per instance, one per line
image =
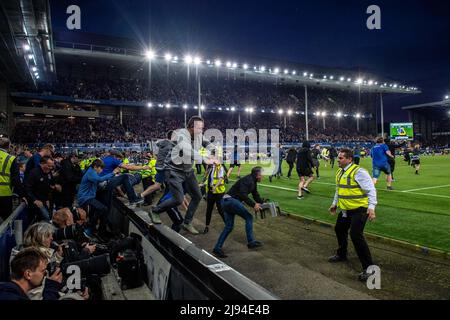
(51, 267)
(98, 265)
(73, 232)
(269, 208)
(75, 213)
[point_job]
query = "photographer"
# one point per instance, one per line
(232, 205)
(28, 270)
(40, 236)
(67, 229)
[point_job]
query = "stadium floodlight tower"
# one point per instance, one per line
(185, 107)
(323, 114)
(218, 64)
(339, 116)
(357, 116)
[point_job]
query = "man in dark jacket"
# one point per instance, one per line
(69, 177)
(232, 205)
(333, 156)
(46, 151)
(290, 159)
(28, 269)
(393, 146)
(304, 169)
(38, 186)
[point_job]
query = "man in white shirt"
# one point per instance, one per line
(356, 197)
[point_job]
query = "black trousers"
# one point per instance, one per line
(199, 168)
(6, 206)
(66, 198)
(356, 160)
(291, 166)
(147, 182)
(213, 198)
(332, 162)
(355, 222)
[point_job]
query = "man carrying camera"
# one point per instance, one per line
(232, 205)
(28, 270)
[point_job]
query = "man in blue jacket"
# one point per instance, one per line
(87, 193)
(28, 269)
(113, 161)
(380, 153)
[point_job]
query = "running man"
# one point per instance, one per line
(415, 159)
(380, 153)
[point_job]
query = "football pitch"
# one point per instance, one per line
(417, 211)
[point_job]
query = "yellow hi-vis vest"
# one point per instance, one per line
(215, 179)
(125, 161)
(203, 152)
(83, 164)
(151, 172)
(152, 165)
(350, 194)
(6, 161)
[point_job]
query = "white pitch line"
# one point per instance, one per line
(332, 184)
(424, 194)
(427, 188)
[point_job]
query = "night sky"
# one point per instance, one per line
(413, 46)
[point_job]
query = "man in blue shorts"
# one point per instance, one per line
(380, 153)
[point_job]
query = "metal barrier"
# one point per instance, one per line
(8, 240)
(178, 269)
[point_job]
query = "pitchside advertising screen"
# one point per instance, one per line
(402, 131)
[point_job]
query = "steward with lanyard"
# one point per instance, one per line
(356, 197)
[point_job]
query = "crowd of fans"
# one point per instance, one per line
(176, 88)
(68, 219)
(141, 129)
(224, 90)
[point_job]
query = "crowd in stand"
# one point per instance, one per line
(176, 88)
(140, 129)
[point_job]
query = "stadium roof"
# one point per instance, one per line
(437, 104)
(93, 47)
(26, 45)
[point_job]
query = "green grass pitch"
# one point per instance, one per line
(417, 211)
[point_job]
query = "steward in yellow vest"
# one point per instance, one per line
(215, 186)
(9, 179)
(356, 197)
(148, 178)
(350, 194)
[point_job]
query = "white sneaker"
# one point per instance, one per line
(190, 228)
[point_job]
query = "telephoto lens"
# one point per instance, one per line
(73, 232)
(97, 265)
